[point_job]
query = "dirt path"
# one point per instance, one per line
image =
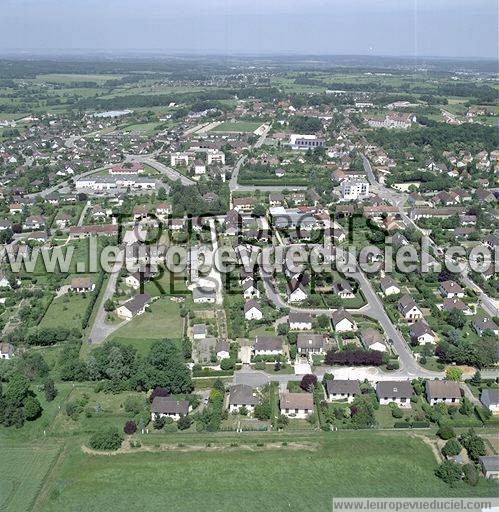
(432, 444)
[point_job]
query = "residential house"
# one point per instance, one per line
(490, 466)
(338, 389)
(168, 407)
(409, 309)
(268, 346)
(81, 285)
(133, 307)
(389, 286)
(6, 350)
(241, 395)
(296, 291)
(296, 405)
(482, 324)
(399, 392)
(449, 289)
(203, 296)
(451, 304)
(442, 391)
(243, 204)
(343, 289)
(308, 344)
(199, 331)
(343, 321)
(252, 310)
(299, 321)
(421, 332)
(222, 350)
(250, 290)
(490, 399)
(372, 339)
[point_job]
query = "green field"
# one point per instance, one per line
(304, 475)
(239, 127)
(66, 311)
(64, 78)
(23, 469)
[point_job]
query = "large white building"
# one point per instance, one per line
(351, 190)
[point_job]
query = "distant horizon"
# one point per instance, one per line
(463, 29)
(158, 52)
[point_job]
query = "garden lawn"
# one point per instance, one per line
(163, 321)
(66, 311)
(274, 479)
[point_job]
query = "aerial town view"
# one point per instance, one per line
(249, 255)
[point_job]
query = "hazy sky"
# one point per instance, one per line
(456, 28)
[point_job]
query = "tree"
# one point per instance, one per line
(158, 391)
(471, 475)
(32, 408)
(281, 421)
(474, 445)
(227, 364)
(109, 305)
(107, 439)
(453, 373)
(308, 382)
(184, 422)
(466, 407)
(323, 321)
(456, 318)
(445, 432)
(159, 422)
(169, 369)
(134, 404)
(130, 427)
(49, 390)
(263, 411)
(449, 472)
(362, 412)
(17, 390)
(451, 448)
(476, 380)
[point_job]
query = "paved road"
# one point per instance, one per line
(83, 213)
(170, 173)
(100, 329)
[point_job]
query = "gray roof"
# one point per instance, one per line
(241, 394)
(406, 303)
(343, 387)
(197, 293)
(442, 389)
(268, 343)
(199, 329)
(296, 400)
(386, 282)
(339, 315)
(419, 328)
(137, 303)
(370, 336)
(490, 396)
(490, 463)
(299, 317)
(394, 389)
(6, 348)
(169, 405)
(310, 341)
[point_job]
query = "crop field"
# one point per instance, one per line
(23, 469)
(68, 78)
(304, 473)
(238, 127)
